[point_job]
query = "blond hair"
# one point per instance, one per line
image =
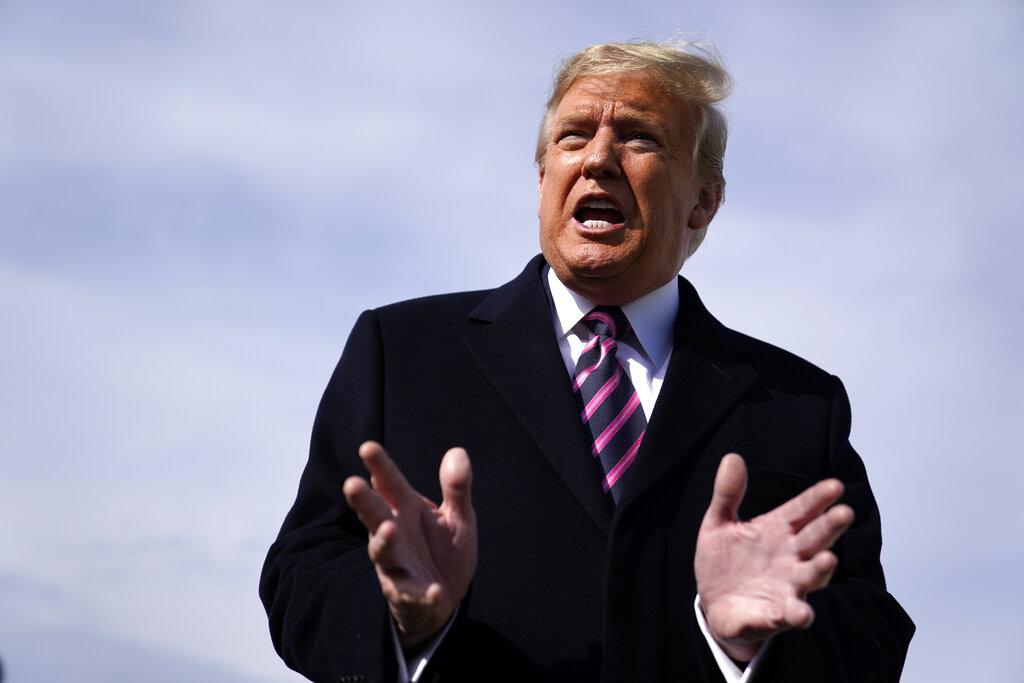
(691, 72)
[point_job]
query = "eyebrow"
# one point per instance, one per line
(637, 117)
(577, 117)
(627, 116)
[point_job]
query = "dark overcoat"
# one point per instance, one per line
(568, 587)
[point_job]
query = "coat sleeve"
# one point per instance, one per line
(860, 633)
(328, 618)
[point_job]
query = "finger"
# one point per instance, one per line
(408, 598)
(383, 547)
(804, 508)
(456, 478)
(798, 613)
(815, 573)
(821, 533)
(433, 594)
(404, 600)
(730, 485)
(824, 564)
(385, 475)
(367, 504)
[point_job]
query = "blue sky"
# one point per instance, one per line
(197, 199)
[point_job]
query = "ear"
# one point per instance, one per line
(708, 201)
(540, 187)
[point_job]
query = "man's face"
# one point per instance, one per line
(619, 199)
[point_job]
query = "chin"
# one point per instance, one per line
(597, 257)
(594, 271)
(594, 261)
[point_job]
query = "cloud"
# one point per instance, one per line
(197, 199)
(46, 636)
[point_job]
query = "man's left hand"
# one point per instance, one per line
(753, 576)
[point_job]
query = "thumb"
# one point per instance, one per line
(730, 485)
(456, 479)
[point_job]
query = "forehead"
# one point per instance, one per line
(618, 95)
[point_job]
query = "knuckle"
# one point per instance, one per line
(774, 614)
(386, 532)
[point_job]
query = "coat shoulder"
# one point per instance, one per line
(455, 311)
(431, 308)
(778, 368)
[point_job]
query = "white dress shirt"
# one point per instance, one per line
(644, 354)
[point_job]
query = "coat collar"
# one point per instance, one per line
(518, 351)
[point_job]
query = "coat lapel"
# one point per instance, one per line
(704, 380)
(519, 354)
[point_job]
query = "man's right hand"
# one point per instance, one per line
(425, 555)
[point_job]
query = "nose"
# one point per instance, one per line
(602, 160)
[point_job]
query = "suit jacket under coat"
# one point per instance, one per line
(567, 587)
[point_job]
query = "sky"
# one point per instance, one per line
(198, 198)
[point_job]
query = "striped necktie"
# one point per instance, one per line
(610, 405)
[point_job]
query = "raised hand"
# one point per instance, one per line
(753, 577)
(425, 555)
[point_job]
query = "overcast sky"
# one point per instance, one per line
(198, 197)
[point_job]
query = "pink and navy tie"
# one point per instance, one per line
(610, 405)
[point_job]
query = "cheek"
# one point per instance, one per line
(545, 207)
(549, 213)
(662, 203)
(552, 196)
(666, 198)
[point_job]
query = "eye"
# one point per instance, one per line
(571, 138)
(642, 137)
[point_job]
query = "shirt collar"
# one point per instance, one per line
(652, 316)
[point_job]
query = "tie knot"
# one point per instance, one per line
(607, 321)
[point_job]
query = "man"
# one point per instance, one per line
(590, 529)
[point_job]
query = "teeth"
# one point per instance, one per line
(598, 204)
(596, 225)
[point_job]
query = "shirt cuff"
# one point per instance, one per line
(728, 667)
(418, 661)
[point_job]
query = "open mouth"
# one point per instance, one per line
(598, 214)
